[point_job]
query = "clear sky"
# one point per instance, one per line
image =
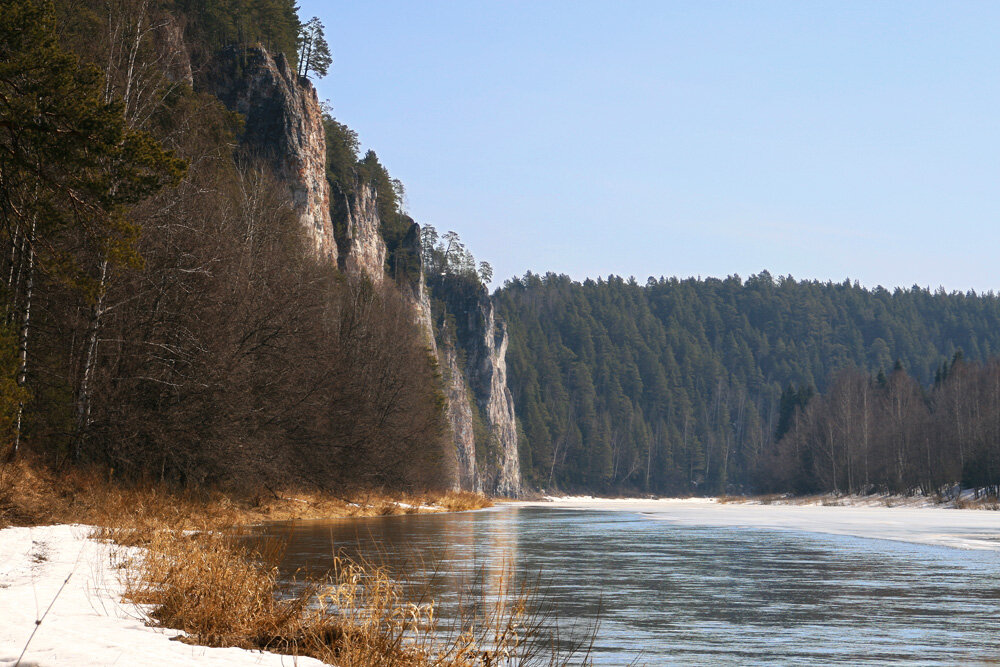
(822, 140)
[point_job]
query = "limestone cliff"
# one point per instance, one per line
(460, 416)
(363, 249)
(283, 126)
(458, 405)
(487, 367)
(482, 339)
(470, 344)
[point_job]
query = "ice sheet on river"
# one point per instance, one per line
(962, 529)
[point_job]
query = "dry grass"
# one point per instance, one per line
(985, 502)
(192, 575)
(459, 501)
(222, 594)
(32, 493)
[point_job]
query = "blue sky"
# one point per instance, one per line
(822, 140)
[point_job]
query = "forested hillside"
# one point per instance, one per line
(164, 313)
(678, 386)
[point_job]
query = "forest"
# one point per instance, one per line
(887, 433)
(732, 386)
(163, 316)
(162, 313)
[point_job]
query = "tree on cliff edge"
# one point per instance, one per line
(314, 52)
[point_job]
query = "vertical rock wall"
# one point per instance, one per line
(488, 378)
(364, 248)
(458, 408)
(471, 348)
(284, 127)
(460, 416)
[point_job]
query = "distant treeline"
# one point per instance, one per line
(679, 386)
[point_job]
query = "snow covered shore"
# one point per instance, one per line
(934, 525)
(87, 623)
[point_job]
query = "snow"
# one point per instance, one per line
(421, 508)
(87, 624)
(933, 525)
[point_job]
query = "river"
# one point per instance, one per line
(670, 588)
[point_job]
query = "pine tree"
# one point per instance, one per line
(314, 53)
(69, 170)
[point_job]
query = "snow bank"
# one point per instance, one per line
(962, 529)
(87, 623)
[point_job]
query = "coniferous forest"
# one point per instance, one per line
(735, 386)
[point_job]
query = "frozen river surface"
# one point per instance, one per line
(696, 583)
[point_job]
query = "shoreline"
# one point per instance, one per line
(966, 500)
(65, 536)
(85, 622)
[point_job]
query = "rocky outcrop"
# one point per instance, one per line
(488, 379)
(470, 346)
(173, 52)
(363, 247)
(460, 415)
(283, 125)
(482, 338)
(458, 408)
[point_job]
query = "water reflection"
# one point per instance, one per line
(692, 595)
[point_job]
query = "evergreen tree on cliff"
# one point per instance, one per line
(313, 52)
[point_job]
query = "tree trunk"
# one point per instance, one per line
(83, 393)
(22, 371)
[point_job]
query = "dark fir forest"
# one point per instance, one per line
(765, 384)
(204, 280)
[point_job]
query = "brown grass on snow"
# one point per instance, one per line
(194, 577)
(221, 594)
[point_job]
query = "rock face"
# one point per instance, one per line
(363, 247)
(487, 367)
(460, 417)
(458, 408)
(482, 338)
(284, 127)
(471, 348)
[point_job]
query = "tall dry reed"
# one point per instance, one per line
(221, 593)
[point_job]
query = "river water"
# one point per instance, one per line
(668, 593)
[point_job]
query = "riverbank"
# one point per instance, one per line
(143, 574)
(966, 499)
(57, 575)
(33, 494)
(931, 525)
